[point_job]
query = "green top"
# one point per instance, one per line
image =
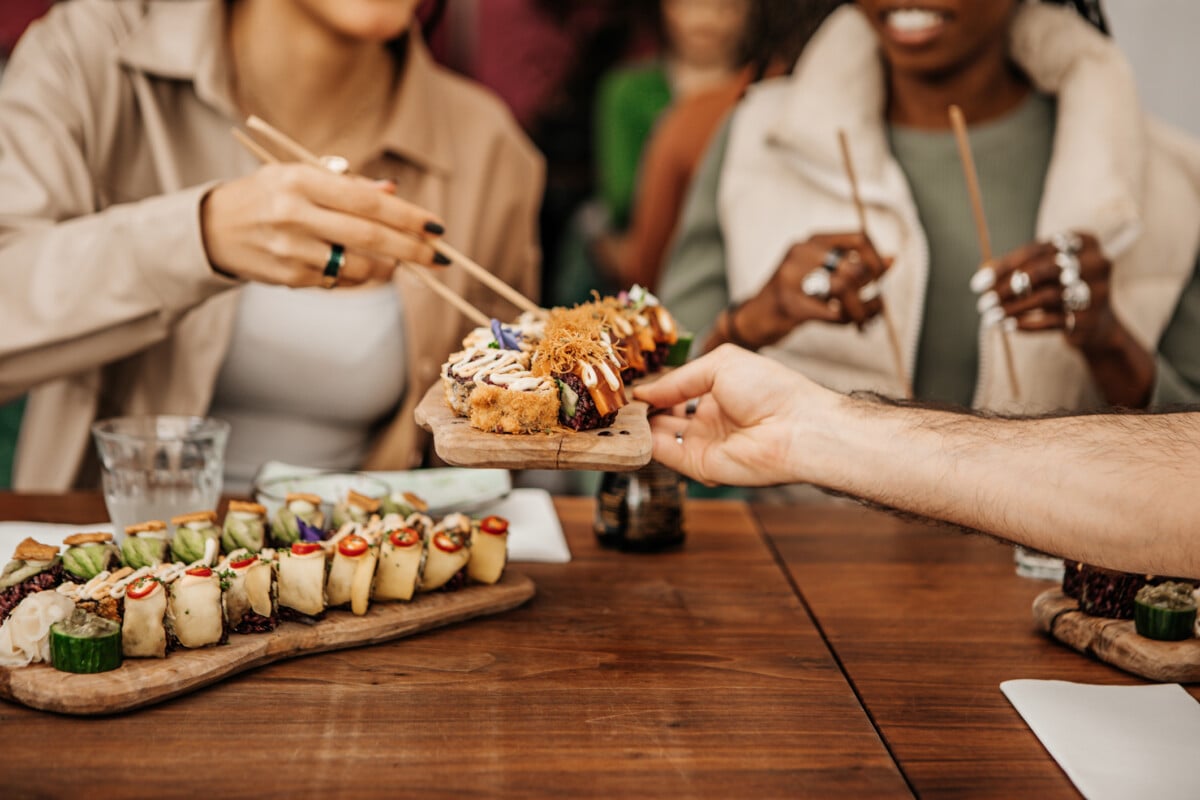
(693, 285)
(1012, 155)
(629, 103)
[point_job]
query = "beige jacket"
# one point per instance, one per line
(114, 122)
(1136, 184)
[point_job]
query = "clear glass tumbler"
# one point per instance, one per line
(157, 467)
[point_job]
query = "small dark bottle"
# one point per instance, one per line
(641, 511)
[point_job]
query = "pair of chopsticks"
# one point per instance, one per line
(296, 150)
(888, 324)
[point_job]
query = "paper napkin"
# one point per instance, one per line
(1116, 742)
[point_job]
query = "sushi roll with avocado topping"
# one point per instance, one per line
(355, 508)
(89, 554)
(403, 504)
(245, 527)
(1166, 612)
(145, 544)
(297, 507)
(192, 534)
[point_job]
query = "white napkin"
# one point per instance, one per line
(1116, 742)
(534, 533)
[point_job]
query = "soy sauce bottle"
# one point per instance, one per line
(641, 511)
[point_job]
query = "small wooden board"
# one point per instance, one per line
(144, 681)
(1116, 642)
(624, 446)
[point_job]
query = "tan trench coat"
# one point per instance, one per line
(114, 122)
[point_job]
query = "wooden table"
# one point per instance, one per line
(694, 673)
(926, 623)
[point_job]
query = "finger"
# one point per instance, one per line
(846, 293)
(1017, 259)
(366, 198)
(667, 449)
(694, 379)
(1042, 321)
(1047, 298)
(305, 259)
(367, 236)
(854, 242)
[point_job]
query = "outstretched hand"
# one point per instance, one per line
(747, 427)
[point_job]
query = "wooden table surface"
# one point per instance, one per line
(694, 673)
(926, 623)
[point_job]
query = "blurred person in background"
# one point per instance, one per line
(1094, 213)
(151, 265)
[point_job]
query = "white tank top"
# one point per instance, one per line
(308, 375)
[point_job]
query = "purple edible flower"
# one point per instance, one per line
(505, 337)
(308, 533)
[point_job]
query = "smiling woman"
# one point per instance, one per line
(141, 249)
(1093, 211)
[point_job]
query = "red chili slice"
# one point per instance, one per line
(353, 545)
(141, 588)
(244, 562)
(494, 525)
(405, 537)
(199, 572)
(304, 548)
(446, 544)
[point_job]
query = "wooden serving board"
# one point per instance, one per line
(1116, 642)
(144, 681)
(624, 446)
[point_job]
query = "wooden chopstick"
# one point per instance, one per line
(501, 288)
(959, 123)
(888, 324)
(446, 293)
(437, 287)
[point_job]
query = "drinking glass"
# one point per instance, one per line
(157, 467)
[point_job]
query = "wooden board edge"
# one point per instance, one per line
(519, 589)
(1115, 642)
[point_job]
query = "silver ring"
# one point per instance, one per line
(679, 437)
(1069, 242)
(1068, 267)
(817, 284)
(1020, 283)
(1076, 296)
(869, 292)
(830, 262)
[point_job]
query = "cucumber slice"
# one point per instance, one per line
(677, 356)
(568, 398)
(85, 643)
(1165, 612)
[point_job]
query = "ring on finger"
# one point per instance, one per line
(333, 266)
(869, 292)
(1020, 283)
(817, 284)
(1076, 296)
(831, 259)
(679, 437)
(1067, 242)
(1068, 267)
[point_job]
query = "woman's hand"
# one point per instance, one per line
(749, 425)
(1065, 284)
(828, 278)
(279, 225)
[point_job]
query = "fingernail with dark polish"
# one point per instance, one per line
(438, 258)
(436, 229)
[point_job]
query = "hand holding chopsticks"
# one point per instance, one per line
(334, 164)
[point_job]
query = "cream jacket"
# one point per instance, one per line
(114, 122)
(1133, 182)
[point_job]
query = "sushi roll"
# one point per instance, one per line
(1108, 593)
(245, 527)
(515, 403)
(355, 508)
(447, 553)
(251, 597)
(302, 580)
(489, 550)
(297, 507)
(1166, 611)
(89, 554)
(401, 556)
(467, 369)
(195, 613)
(351, 573)
(143, 632)
(402, 504)
(193, 532)
(145, 544)
(35, 567)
